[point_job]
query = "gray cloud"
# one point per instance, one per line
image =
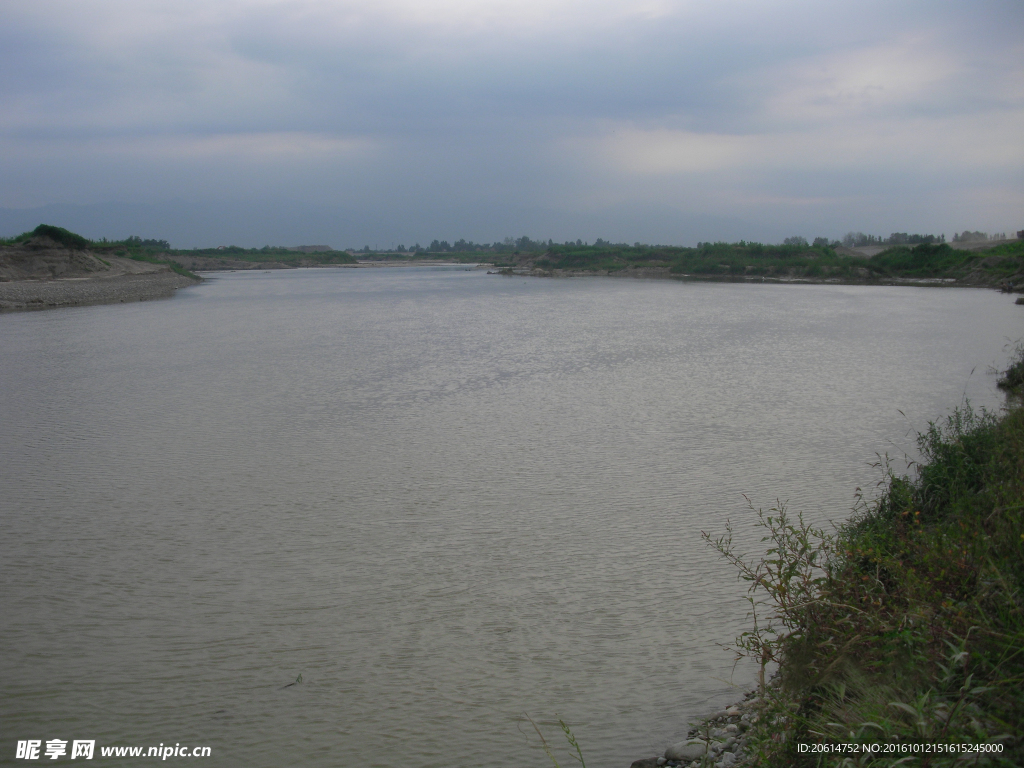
(452, 118)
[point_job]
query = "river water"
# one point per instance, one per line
(444, 498)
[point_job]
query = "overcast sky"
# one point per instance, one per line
(312, 121)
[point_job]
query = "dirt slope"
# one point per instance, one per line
(42, 274)
(43, 259)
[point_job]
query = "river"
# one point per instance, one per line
(443, 498)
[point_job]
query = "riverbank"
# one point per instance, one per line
(900, 637)
(999, 265)
(720, 740)
(81, 291)
(654, 273)
(44, 274)
(861, 277)
(238, 259)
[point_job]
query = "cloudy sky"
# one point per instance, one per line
(355, 122)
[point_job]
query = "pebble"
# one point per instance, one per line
(721, 736)
(686, 751)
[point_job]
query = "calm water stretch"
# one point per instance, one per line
(444, 498)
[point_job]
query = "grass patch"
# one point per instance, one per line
(925, 260)
(905, 625)
(1007, 249)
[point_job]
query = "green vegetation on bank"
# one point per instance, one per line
(745, 260)
(267, 253)
(943, 261)
(906, 625)
(906, 257)
(709, 259)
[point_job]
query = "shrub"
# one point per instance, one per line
(905, 624)
(1013, 377)
(62, 236)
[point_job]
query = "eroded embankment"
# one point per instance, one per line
(43, 274)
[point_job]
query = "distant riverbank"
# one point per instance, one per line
(991, 265)
(649, 273)
(231, 265)
(51, 267)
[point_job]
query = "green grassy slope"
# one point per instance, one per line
(906, 626)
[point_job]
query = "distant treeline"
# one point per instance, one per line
(464, 249)
(974, 237)
(859, 239)
(527, 244)
(508, 245)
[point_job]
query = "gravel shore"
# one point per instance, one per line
(48, 294)
(717, 741)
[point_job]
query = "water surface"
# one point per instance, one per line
(444, 498)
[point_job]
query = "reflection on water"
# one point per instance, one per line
(444, 498)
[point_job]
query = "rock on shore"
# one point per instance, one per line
(719, 740)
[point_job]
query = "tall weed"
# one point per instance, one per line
(906, 624)
(569, 736)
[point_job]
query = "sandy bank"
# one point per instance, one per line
(70, 292)
(42, 274)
